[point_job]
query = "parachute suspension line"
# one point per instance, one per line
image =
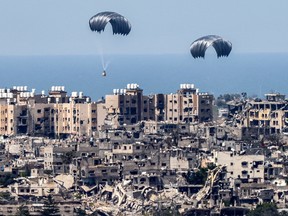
(120, 25)
(103, 63)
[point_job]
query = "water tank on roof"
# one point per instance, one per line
(74, 94)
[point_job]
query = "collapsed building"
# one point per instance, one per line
(132, 153)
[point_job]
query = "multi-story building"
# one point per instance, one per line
(188, 105)
(247, 168)
(262, 117)
(60, 115)
(7, 120)
(129, 106)
(54, 115)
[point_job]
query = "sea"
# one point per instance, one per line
(253, 73)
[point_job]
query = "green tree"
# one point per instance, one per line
(22, 211)
(6, 178)
(199, 177)
(50, 208)
(265, 209)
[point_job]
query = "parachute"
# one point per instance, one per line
(120, 25)
(199, 46)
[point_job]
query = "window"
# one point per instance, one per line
(244, 163)
(133, 111)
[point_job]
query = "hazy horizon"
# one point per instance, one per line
(255, 74)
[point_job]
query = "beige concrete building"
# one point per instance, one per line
(182, 106)
(40, 186)
(270, 113)
(262, 117)
(65, 208)
(129, 106)
(54, 115)
(60, 115)
(7, 123)
(247, 168)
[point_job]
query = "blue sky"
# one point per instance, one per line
(60, 27)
